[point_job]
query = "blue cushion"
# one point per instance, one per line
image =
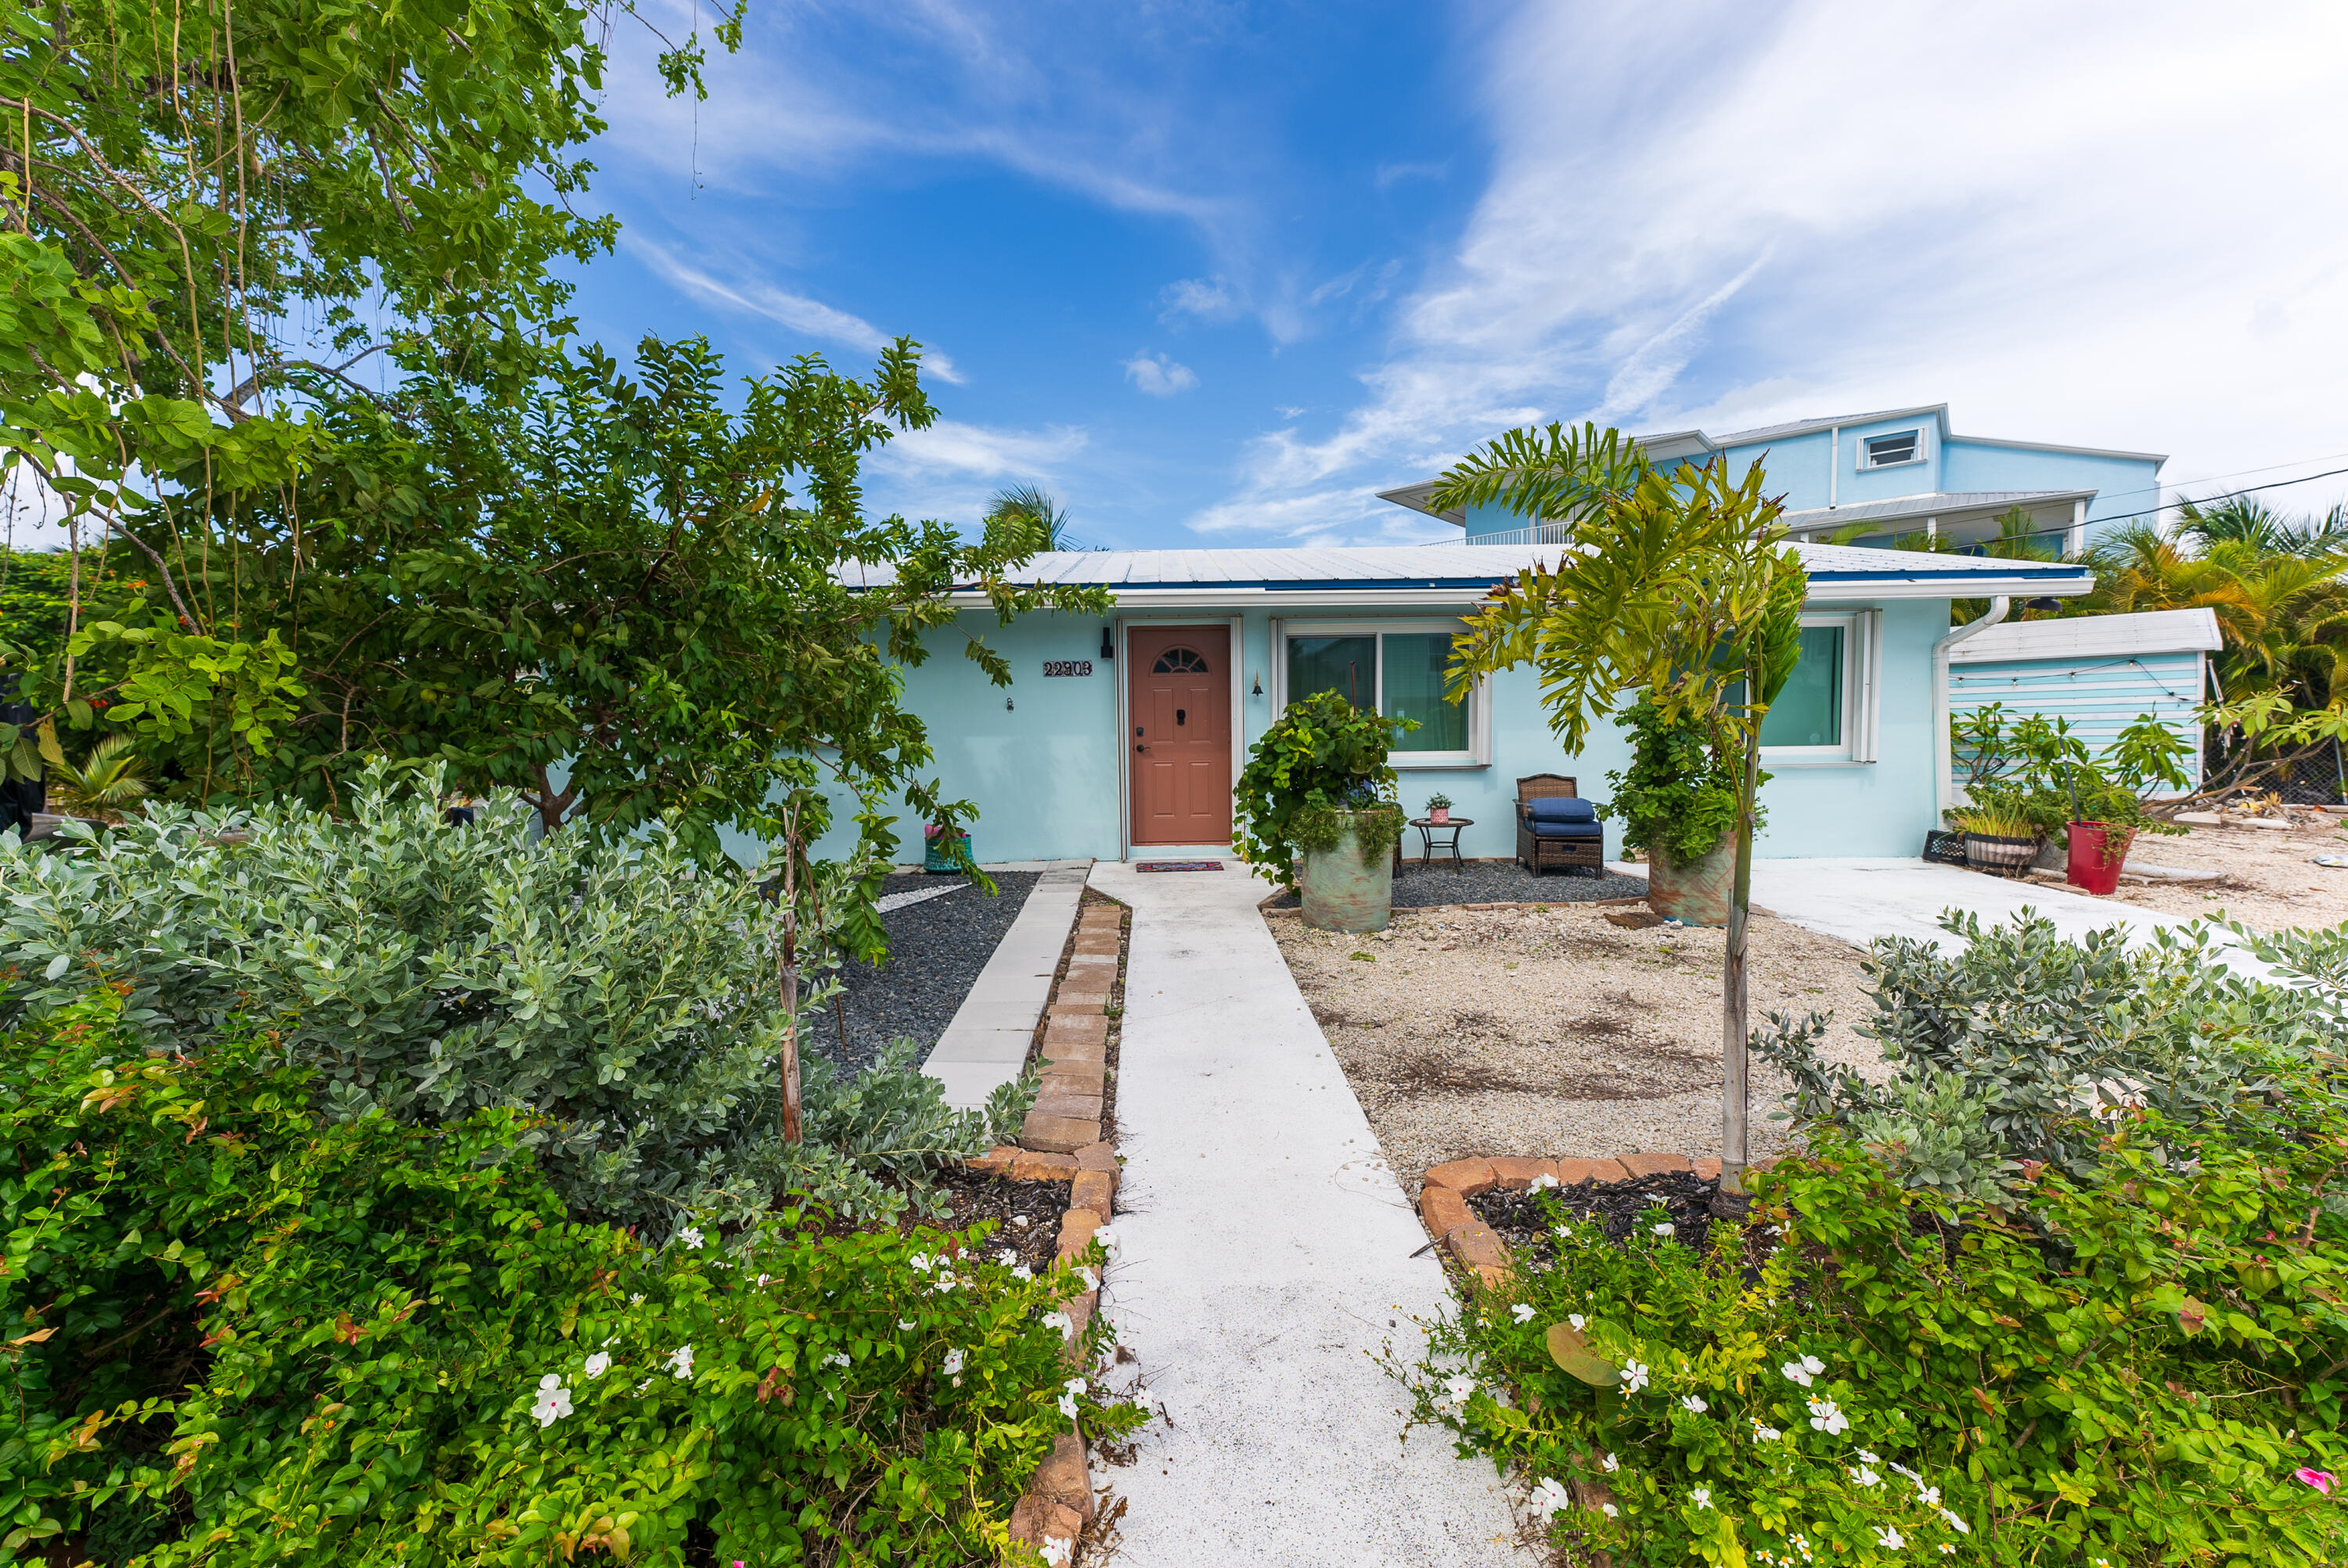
(1569, 830)
(1562, 808)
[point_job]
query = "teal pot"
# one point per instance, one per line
(1347, 890)
(1695, 892)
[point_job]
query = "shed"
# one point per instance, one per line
(2099, 671)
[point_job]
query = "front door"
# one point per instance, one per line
(1178, 701)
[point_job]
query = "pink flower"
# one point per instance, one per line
(2321, 1480)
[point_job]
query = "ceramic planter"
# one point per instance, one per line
(1695, 892)
(1346, 890)
(1440, 816)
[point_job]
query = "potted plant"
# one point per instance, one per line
(1438, 809)
(1317, 787)
(944, 848)
(2031, 778)
(1678, 802)
(2000, 837)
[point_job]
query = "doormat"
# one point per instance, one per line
(1179, 866)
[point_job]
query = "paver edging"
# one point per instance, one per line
(1475, 1248)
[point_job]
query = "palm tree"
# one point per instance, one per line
(2237, 519)
(2284, 614)
(109, 781)
(1033, 504)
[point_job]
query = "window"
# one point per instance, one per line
(1178, 662)
(1825, 711)
(1397, 672)
(1890, 451)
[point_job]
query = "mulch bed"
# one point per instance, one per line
(936, 949)
(972, 1197)
(1416, 886)
(1523, 1220)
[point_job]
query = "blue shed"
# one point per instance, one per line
(2099, 671)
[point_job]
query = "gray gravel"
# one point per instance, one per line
(1497, 882)
(936, 948)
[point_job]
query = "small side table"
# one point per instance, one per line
(1428, 828)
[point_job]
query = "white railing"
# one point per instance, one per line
(1538, 534)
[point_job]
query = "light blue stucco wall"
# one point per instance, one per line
(2122, 484)
(1043, 772)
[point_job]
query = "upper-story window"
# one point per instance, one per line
(1889, 451)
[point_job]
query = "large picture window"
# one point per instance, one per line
(1395, 671)
(1825, 711)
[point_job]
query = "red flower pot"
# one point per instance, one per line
(2098, 850)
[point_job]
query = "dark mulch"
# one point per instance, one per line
(1040, 1204)
(1495, 882)
(936, 949)
(1623, 1207)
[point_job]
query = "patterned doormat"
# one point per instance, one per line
(1179, 866)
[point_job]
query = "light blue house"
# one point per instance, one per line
(1122, 737)
(1895, 473)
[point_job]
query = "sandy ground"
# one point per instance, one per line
(2269, 882)
(1555, 1033)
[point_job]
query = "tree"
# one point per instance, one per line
(1675, 586)
(1032, 504)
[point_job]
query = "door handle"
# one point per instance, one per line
(1139, 747)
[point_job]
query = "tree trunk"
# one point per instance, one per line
(1734, 1075)
(790, 988)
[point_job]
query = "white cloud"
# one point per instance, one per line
(1208, 300)
(812, 318)
(1838, 207)
(1395, 173)
(1158, 375)
(977, 449)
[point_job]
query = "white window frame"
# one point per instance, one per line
(1862, 663)
(1865, 442)
(1478, 753)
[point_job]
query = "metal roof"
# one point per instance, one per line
(2193, 631)
(1931, 504)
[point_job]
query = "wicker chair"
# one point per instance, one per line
(1537, 852)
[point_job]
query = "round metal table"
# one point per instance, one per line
(1428, 828)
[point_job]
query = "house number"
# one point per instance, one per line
(1067, 666)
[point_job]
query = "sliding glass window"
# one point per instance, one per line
(1397, 673)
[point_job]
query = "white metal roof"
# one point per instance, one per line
(2096, 637)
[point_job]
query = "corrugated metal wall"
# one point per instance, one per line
(2100, 696)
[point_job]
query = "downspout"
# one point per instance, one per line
(1834, 462)
(1944, 784)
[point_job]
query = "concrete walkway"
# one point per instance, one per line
(1267, 1253)
(986, 1043)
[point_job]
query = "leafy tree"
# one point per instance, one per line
(1032, 504)
(1320, 756)
(1679, 590)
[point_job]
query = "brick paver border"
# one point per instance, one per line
(1475, 1246)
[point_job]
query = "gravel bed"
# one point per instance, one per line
(936, 948)
(1416, 886)
(1524, 1222)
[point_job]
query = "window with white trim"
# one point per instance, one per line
(1395, 669)
(1890, 451)
(1825, 711)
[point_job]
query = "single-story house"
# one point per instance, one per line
(1123, 737)
(2099, 671)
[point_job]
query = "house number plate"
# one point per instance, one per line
(1067, 666)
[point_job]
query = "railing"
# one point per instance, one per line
(1538, 534)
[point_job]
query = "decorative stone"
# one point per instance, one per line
(1097, 1157)
(1059, 1134)
(1708, 1170)
(1089, 992)
(1074, 1077)
(1093, 1190)
(1479, 1247)
(1655, 1164)
(1443, 1210)
(1063, 1008)
(1088, 945)
(997, 1162)
(1064, 1477)
(1073, 1052)
(1465, 1177)
(1063, 1103)
(1075, 1029)
(1573, 1173)
(1037, 1520)
(1077, 1227)
(1514, 1175)
(1036, 1165)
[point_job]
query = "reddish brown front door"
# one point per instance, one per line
(1179, 702)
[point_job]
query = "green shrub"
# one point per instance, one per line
(1321, 757)
(1676, 794)
(239, 1336)
(622, 994)
(2023, 1046)
(1863, 1376)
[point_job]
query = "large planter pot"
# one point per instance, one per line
(1692, 892)
(2098, 850)
(1347, 890)
(2000, 854)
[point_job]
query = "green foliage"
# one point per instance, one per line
(2021, 1050)
(2034, 771)
(1866, 1374)
(1377, 829)
(1677, 794)
(36, 601)
(622, 994)
(240, 1337)
(1321, 757)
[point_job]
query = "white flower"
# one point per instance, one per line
(1547, 1497)
(836, 1358)
(1694, 1404)
(1634, 1377)
(1666, 1228)
(554, 1402)
(1021, 1271)
(1867, 1458)
(1797, 1372)
(1058, 1550)
(1542, 1182)
(1866, 1476)
(1827, 1419)
(1956, 1522)
(1106, 1237)
(598, 1364)
(1574, 1320)
(905, 1324)
(1700, 1496)
(1068, 1405)
(1059, 1320)
(1948, 1549)
(1930, 1496)
(1004, 1255)
(1762, 1434)
(1460, 1386)
(680, 1360)
(923, 1261)
(1889, 1539)
(637, 1300)
(1814, 1367)
(1075, 1384)
(1610, 1464)
(953, 1366)
(1609, 1510)
(1090, 1275)
(946, 1282)
(762, 1280)
(1522, 1312)
(690, 1236)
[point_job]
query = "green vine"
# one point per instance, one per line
(1322, 758)
(1317, 829)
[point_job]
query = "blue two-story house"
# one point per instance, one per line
(1877, 480)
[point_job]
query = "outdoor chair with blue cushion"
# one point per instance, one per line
(1556, 827)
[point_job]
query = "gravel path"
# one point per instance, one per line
(1495, 882)
(936, 948)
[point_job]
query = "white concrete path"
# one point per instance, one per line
(986, 1043)
(1266, 1254)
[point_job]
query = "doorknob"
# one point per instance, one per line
(1139, 747)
